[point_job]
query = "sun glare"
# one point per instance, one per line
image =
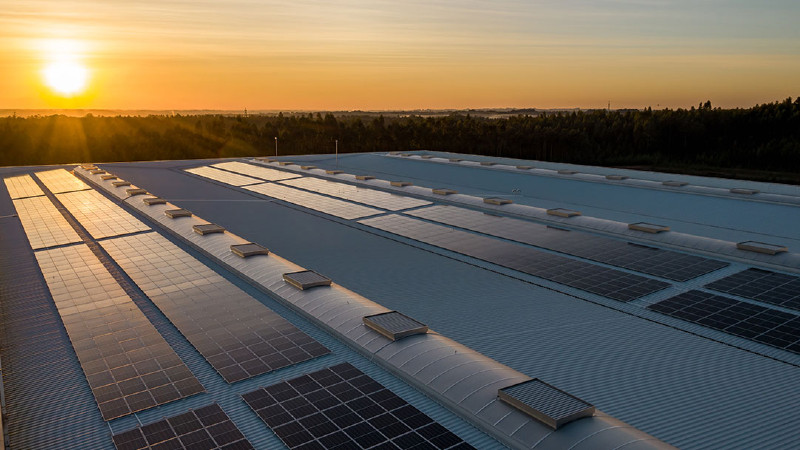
(64, 73)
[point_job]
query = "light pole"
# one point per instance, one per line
(276, 146)
(337, 153)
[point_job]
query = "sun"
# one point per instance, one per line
(66, 77)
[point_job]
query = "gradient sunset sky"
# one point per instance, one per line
(314, 55)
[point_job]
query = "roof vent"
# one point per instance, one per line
(400, 183)
(394, 153)
(455, 159)
(405, 154)
(394, 325)
(265, 159)
(566, 172)
(175, 213)
(487, 163)
(647, 227)
(154, 201)
(616, 177)
(364, 177)
(497, 201)
(443, 191)
(108, 177)
(308, 167)
(249, 249)
(88, 167)
(744, 191)
(563, 212)
(545, 403)
(674, 183)
(524, 167)
(306, 279)
(136, 191)
(208, 228)
(334, 172)
(286, 163)
(761, 247)
(120, 183)
(97, 171)
(426, 156)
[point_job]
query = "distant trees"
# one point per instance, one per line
(764, 137)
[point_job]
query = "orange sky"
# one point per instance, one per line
(354, 54)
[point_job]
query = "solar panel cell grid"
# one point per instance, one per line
(222, 176)
(238, 336)
(99, 215)
(313, 201)
(44, 225)
(264, 173)
(344, 408)
(370, 197)
(22, 187)
(762, 285)
(127, 363)
(59, 181)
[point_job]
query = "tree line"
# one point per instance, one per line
(749, 142)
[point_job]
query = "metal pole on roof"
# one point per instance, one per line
(337, 153)
(276, 145)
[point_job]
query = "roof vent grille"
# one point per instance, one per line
(497, 201)
(88, 167)
(761, 247)
(121, 183)
(562, 212)
(545, 403)
(394, 325)
(648, 227)
(443, 191)
(306, 279)
(108, 177)
(364, 177)
(208, 228)
(744, 191)
(249, 249)
(154, 201)
(334, 172)
(135, 191)
(400, 183)
(175, 213)
(616, 177)
(674, 183)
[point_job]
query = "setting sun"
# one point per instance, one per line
(66, 77)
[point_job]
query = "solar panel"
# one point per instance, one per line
(99, 215)
(208, 228)
(317, 202)
(249, 249)
(599, 280)
(59, 181)
(341, 407)
(367, 196)
(762, 285)
(654, 261)
(204, 428)
(395, 325)
(746, 320)
(127, 363)
(264, 173)
(235, 333)
(222, 176)
(546, 403)
(43, 223)
(306, 279)
(22, 187)
(176, 213)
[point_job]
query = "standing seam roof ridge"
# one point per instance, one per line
(253, 267)
(789, 261)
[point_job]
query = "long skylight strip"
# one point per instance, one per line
(59, 181)
(99, 215)
(43, 223)
(127, 363)
(223, 177)
(317, 202)
(22, 187)
(264, 173)
(372, 197)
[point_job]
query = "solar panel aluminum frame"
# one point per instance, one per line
(415, 327)
(553, 422)
(761, 247)
(296, 279)
(176, 213)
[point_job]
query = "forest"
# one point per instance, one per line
(761, 142)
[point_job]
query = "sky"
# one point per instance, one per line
(382, 55)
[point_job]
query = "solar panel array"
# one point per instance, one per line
(341, 407)
(59, 181)
(599, 280)
(654, 261)
(127, 363)
(264, 173)
(235, 333)
(746, 320)
(99, 215)
(370, 197)
(316, 202)
(22, 187)
(222, 176)
(207, 428)
(762, 285)
(44, 224)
